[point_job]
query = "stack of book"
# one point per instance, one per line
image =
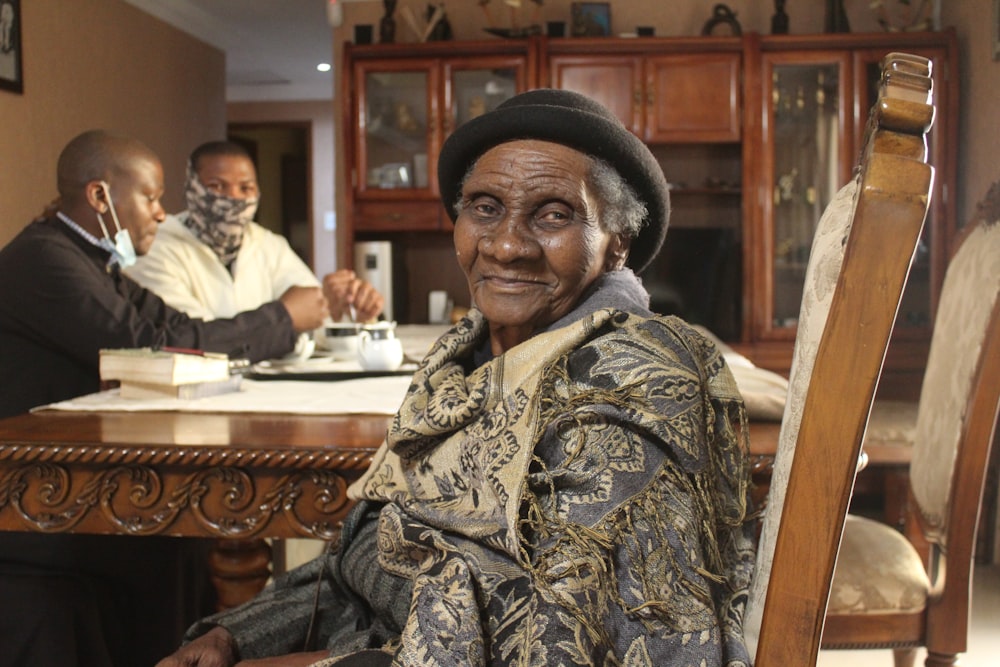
(168, 372)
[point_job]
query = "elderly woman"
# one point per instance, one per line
(565, 481)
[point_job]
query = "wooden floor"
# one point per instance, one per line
(984, 637)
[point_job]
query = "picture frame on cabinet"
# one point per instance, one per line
(590, 19)
(11, 77)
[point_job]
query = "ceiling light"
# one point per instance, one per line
(323, 67)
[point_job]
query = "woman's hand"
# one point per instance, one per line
(291, 660)
(215, 648)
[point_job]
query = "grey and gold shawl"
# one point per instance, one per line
(578, 500)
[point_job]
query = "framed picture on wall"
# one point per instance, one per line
(591, 19)
(10, 46)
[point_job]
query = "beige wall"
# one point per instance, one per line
(103, 63)
(979, 131)
(319, 117)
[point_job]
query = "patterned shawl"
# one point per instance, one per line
(580, 499)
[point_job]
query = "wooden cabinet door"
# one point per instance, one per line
(693, 98)
(396, 127)
(613, 80)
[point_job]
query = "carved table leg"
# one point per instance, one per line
(239, 569)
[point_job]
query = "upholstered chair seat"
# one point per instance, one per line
(878, 571)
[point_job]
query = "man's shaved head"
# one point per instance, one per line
(97, 155)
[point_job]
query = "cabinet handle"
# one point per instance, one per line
(393, 217)
(650, 98)
(637, 97)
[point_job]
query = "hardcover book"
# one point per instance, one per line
(163, 366)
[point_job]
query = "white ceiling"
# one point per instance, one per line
(272, 47)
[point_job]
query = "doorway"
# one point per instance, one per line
(281, 154)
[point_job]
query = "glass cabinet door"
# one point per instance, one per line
(395, 131)
(807, 136)
(475, 91)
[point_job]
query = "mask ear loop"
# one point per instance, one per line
(100, 218)
(111, 207)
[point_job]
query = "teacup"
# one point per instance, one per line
(304, 348)
(340, 338)
(378, 347)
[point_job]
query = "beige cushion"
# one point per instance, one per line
(825, 260)
(892, 423)
(763, 391)
(878, 571)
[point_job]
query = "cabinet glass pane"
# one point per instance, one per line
(476, 91)
(805, 107)
(396, 129)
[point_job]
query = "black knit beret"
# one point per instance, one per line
(573, 120)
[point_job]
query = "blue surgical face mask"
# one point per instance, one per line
(122, 251)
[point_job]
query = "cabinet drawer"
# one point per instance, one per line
(398, 216)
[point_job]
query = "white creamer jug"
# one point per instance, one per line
(379, 349)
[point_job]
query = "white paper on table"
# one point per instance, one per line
(379, 395)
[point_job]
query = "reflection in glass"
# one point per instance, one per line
(477, 91)
(396, 129)
(805, 104)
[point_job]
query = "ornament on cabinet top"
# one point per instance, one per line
(516, 30)
(906, 15)
(723, 16)
(779, 21)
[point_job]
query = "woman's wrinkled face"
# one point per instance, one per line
(528, 237)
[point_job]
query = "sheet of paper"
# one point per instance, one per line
(381, 395)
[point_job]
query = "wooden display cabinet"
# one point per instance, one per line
(754, 133)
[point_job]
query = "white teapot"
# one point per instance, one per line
(378, 347)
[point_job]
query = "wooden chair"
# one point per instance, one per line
(884, 595)
(858, 266)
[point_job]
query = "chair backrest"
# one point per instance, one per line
(956, 419)
(857, 269)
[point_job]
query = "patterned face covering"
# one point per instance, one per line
(217, 220)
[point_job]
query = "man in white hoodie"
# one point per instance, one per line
(213, 261)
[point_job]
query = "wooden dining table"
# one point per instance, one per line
(234, 477)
